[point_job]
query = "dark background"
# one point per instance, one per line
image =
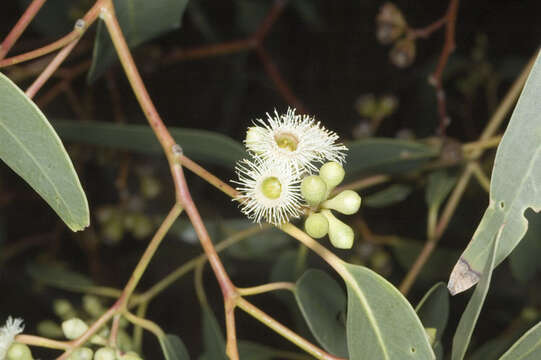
(328, 54)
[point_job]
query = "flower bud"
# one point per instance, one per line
(316, 225)
(366, 105)
(340, 234)
(149, 186)
(63, 309)
(93, 306)
(124, 341)
(73, 328)
(253, 137)
(347, 202)
(332, 173)
(390, 23)
(50, 329)
(313, 189)
(83, 353)
(18, 351)
(105, 353)
(142, 227)
(130, 356)
(403, 53)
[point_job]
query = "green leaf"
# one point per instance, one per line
(391, 195)
(173, 348)
(386, 155)
(59, 277)
(253, 351)
(31, 148)
(323, 304)
(524, 259)
(381, 324)
(199, 145)
(515, 186)
(440, 183)
(433, 310)
(467, 322)
(213, 338)
(527, 347)
(140, 21)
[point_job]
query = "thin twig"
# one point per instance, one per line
(436, 77)
(20, 26)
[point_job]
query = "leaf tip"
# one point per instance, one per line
(462, 277)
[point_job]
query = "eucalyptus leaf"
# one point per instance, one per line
(381, 324)
(433, 310)
(30, 147)
(59, 277)
(467, 322)
(173, 348)
(528, 347)
(387, 155)
(140, 20)
(515, 187)
(391, 195)
(213, 338)
(253, 351)
(440, 183)
(323, 304)
(200, 145)
(524, 259)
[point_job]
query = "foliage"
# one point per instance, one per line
(102, 290)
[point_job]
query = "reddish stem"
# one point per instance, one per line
(436, 77)
(20, 26)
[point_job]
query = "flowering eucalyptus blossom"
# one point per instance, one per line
(296, 140)
(12, 328)
(269, 191)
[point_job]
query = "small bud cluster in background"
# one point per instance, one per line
(373, 111)
(117, 220)
(278, 183)
(392, 28)
(75, 323)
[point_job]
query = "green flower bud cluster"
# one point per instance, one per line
(116, 221)
(18, 351)
(316, 190)
(76, 321)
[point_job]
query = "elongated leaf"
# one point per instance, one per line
(433, 310)
(323, 304)
(381, 324)
(59, 277)
(524, 259)
(467, 322)
(393, 194)
(213, 338)
(440, 184)
(515, 186)
(528, 347)
(140, 20)
(385, 155)
(200, 145)
(31, 148)
(253, 351)
(173, 348)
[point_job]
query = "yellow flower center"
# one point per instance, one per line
(271, 187)
(286, 141)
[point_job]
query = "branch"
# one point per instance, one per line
(20, 26)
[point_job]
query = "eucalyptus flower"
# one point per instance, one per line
(296, 140)
(269, 191)
(12, 328)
